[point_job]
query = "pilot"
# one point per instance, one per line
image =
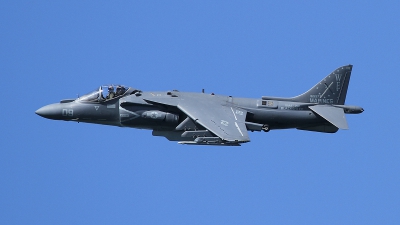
(111, 92)
(120, 90)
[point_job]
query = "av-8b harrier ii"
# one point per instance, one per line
(209, 119)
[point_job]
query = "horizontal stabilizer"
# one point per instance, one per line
(333, 115)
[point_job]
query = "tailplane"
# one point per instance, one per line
(327, 100)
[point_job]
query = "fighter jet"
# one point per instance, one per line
(210, 119)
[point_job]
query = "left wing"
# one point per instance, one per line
(226, 122)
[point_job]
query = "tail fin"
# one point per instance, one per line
(331, 90)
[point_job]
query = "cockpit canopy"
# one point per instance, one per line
(104, 93)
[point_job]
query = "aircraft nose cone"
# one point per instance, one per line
(50, 112)
(41, 112)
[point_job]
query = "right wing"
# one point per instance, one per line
(226, 122)
(224, 125)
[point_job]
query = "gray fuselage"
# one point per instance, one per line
(133, 111)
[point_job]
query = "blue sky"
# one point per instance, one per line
(54, 172)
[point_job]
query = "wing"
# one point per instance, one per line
(226, 122)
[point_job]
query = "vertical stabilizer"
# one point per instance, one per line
(331, 90)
